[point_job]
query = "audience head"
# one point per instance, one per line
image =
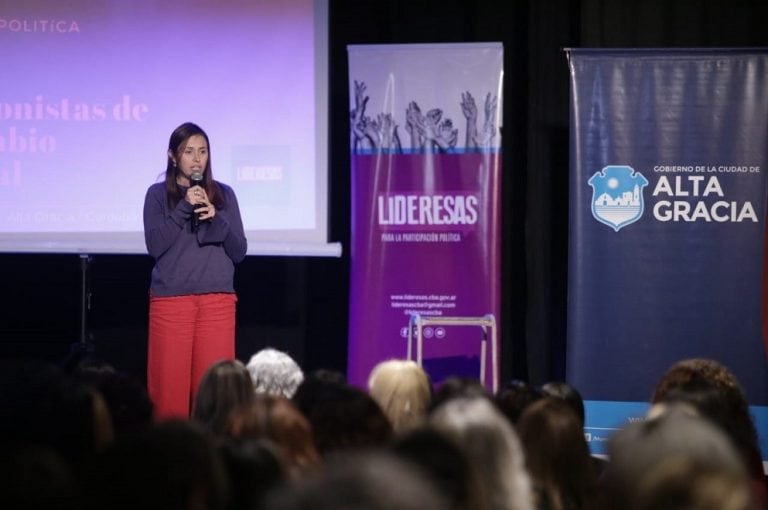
(568, 394)
(92, 371)
(644, 447)
(492, 447)
(557, 455)
(692, 369)
(277, 419)
(173, 465)
(371, 481)
(402, 390)
(255, 468)
(40, 406)
(715, 393)
(37, 478)
(444, 463)
(680, 483)
(314, 387)
(458, 387)
(275, 373)
(127, 400)
(514, 397)
(327, 375)
(342, 417)
(224, 386)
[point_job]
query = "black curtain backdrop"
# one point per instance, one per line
(301, 304)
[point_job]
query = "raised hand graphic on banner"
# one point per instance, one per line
(469, 109)
(428, 131)
(429, 128)
(370, 129)
(389, 139)
(381, 133)
(357, 117)
(441, 134)
(485, 138)
(368, 133)
(413, 120)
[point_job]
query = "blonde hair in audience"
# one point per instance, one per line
(402, 390)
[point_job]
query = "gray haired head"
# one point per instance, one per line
(674, 435)
(492, 448)
(274, 373)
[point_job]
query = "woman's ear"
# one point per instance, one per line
(170, 156)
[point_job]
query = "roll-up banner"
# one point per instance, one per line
(669, 154)
(426, 174)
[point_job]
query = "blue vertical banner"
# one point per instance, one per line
(669, 154)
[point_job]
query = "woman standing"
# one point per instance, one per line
(193, 230)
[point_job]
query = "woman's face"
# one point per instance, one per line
(192, 157)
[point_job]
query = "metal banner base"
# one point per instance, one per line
(487, 322)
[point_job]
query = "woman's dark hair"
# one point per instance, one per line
(342, 417)
(443, 462)
(176, 145)
(255, 469)
(276, 419)
(225, 386)
(514, 397)
(173, 465)
(557, 455)
(458, 387)
(126, 398)
(41, 406)
(567, 393)
(716, 393)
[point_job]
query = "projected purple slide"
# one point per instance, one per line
(92, 90)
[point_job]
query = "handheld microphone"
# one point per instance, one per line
(196, 179)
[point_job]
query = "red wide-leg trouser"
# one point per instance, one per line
(187, 334)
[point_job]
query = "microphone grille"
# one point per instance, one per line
(196, 177)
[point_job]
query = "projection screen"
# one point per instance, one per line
(91, 91)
